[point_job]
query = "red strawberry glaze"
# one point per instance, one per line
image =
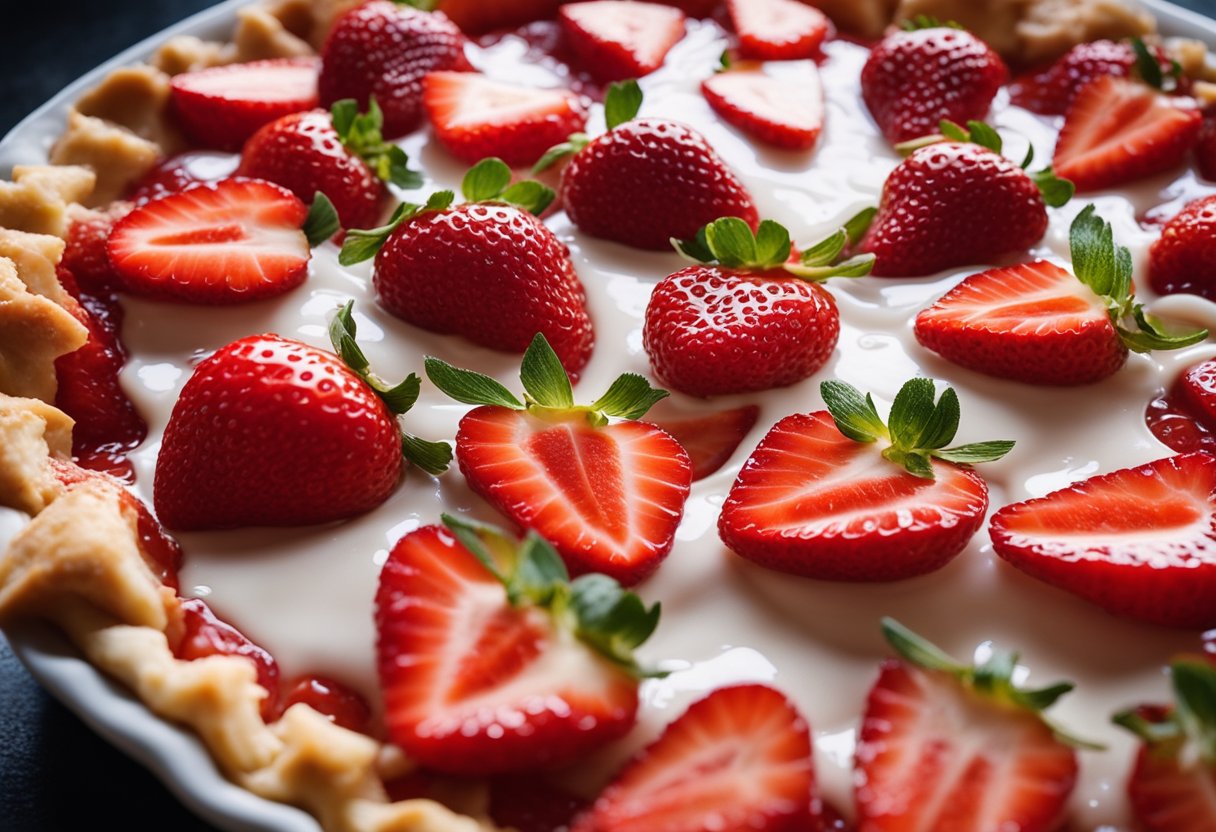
(1176, 425)
(335, 700)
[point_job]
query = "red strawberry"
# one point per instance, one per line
(272, 432)
(1173, 784)
(710, 440)
(819, 498)
(222, 106)
(914, 79)
(487, 270)
(665, 172)
(619, 39)
(204, 634)
(1036, 323)
(780, 112)
(341, 155)
(778, 30)
(84, 253)
(1183, 259)
(1139, 542)
(1205, 147)
(608, 494)
(476, 117)
(956, 203)
(490, 662)
(753, 325)
(383, 49)
(232, 241)
(1117, 131)
(1052, 91)
(343, 706)
(176, 173)
(477, 17)
(948, 746)
(738, 760)
(526, 804)
(1198, 391)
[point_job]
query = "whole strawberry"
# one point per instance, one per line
(1183, 259)
(273, 432)
(384, 49)
(1051, 91)
(487, 270)
(916, 77)
(956, 203)
(340, 154)
(740, 320)
(647, 181)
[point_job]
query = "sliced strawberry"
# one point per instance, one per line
(222, 106)
(342, 705)
(736, 761)
(711, 440)
(606, 491)
(232, 241)
(619, 39)
(491, 663)
(1183, 259)
(204, 634)
(1183, 418)
(176, 173)
(1117, 131)
(1172, 787)
(84, 252)
(780, 112)
(1139, 542)
(475, 117)
(1052, 91)
(778, 30)
(946, 746)
(813, 502)
(1198, 391)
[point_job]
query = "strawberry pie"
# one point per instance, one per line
(621, 415)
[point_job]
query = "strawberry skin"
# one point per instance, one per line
(203, 634)
(1034, 323)
(619, 39)
(778, 30)
(711, 440)
(473, 685)
(738, 760)
(302, 153)
(712, 331)
(231, 241)
(932, 755)
(1183, 259)
(913, 80)
(220, 107)
(953, 204)
(1117, 131)
(1198, 391)
(489, 272)
(1139, 542)
(812, 502)
(476, 117)
(782, 113)
(608, 498)
(273, 432)
(667, 176)
(383, 49)
(1205, 147)
(1052, 91)
(1170, 796)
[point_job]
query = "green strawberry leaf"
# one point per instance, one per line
(363, 244)
(622, 103)
(529, 195)
(322, 220)
(572, 145)
(857, 225)
(342, 333)
(486, 180)
(942, 424)
(361, 135)
(924, 21)
(918, 650)
(697, 249)
(732, 242)
(975, 452)
(827, 251)
(854, 414)
(1152, 732)
(772, 242)
(613, 620)
(1028, 158)
(911, 411)
(1042, 698)
(724, 61)
(432, 457)
(1146, 65)
(477, 538)
(1056, 191)
(914, 462)
(629, 397)
(543, 376)
(976, 132)
(467, 386)
(421, 5)
(823, 260)
(539, 574)
(1194, 683)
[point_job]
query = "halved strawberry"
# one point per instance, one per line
(608, 495)
(1183, 258)
(780, 112)
(222, 106)
(490, 662)
(476, 117)
(1198, 391)
(619, 39)
(1037, 324)
(1139, 542)
(1051, 91)
(1118, 130)
(710, 440)
(819, 498)
(204, 634)
(944, 746)
(738, 760)
(778, 30)
(232, 241)
(1173, 784)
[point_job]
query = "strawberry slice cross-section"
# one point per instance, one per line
(619, 39)
(606, 490)
(492, 662)
(778, 30)
(783, 112)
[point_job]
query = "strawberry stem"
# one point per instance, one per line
(322, 220)
(360, 133)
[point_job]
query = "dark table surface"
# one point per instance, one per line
(50, 763)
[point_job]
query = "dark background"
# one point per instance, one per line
(51, 765)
